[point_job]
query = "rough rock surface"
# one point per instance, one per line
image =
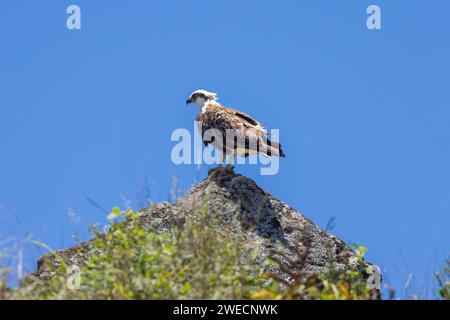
(269, 223)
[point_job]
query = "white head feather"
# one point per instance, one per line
(200, 97)
(209, 95)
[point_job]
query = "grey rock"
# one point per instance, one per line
(264, 221)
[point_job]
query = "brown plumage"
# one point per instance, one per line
(247, 136)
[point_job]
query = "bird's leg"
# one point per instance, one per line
(220, 170)
(222, 159)
(231, 160)
(220, 162)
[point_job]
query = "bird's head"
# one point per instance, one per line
(200, 97)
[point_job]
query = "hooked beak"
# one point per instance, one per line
(188, 101)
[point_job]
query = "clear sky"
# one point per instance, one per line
(364, 115)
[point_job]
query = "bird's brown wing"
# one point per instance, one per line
(252, 130)
(243, 116)
(246, 128)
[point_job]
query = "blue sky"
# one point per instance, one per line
(364, 116)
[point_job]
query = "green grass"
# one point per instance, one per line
(443, 279)
(195, 261)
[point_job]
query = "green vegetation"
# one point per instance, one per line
(3, 283)
(129, 262)
(443, 279)
(349, 285)
(191, 262)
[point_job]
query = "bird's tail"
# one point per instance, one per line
(271, 148)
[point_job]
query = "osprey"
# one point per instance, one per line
(248, 136)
